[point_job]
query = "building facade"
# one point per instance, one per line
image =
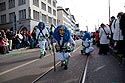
(65, 17)
(26, 14)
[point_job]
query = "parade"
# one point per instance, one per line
(41, 42)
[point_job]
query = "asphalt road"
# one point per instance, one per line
(24, 66)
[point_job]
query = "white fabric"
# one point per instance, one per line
(44, 31)
(89, 48)
(20, 36)
(62, 56)
(86, 44)
(117, 32)
(42, 46)
(103, 36)
(42, 42)
(113, 25)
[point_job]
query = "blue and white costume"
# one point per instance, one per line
(41, 35)
(87, 43)
(64, 44)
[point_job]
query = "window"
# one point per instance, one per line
(43, 6)
(54, 3)
(50, 20)
(54, 12)
(49, 10)
(3, 19)
(44, 19)
(49, 1)
(35, 15)
(36, 3)
(54, 21)
(21, 2)
(11, 16)
(11, 4)
(22, 14)
(2, 6)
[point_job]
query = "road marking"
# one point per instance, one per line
(99, 68)
(18, 67)
(50, 69)
(7, 71)
(77, 48)
(85, 71)
(12, 69)
(38, 78)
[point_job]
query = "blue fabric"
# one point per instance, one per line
(66, 36)
(86, 35)
(41, 23)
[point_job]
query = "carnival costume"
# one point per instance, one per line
(42, 35)
(87, 48)
(64, 45)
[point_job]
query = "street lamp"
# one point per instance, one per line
(15, 22)
(87, 28)
(109, 10)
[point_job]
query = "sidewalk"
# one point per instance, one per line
(117, 56)
(20, 51)
(105, 69)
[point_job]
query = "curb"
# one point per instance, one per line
(20, 51)
(117, 56)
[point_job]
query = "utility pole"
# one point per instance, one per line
(98, 23)
(109, 10)
(86, 25)
(15, 22)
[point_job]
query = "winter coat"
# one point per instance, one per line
(103, 36)
(117, 34)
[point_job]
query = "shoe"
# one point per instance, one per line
(65, 64)
(105, 53)
(65, 67)
(62, 64)
(100, 53)
(41, 55)
(44, 53)
(87, 54)
(46, 48)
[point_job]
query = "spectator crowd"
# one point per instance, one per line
(10, 40)
(108, 35)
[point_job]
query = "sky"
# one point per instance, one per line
(92, 13)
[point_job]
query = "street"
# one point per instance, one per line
(24, 66)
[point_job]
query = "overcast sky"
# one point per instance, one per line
(92, 13)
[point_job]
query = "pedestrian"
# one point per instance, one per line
(3, 49)
(7, 43)
(9, 35)
(19, 39)
(64, 44)
(104, 41)
(97, 38)
(122, 27)
(33, 35)
(112, 27)
(42, 35)
(117, 34)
